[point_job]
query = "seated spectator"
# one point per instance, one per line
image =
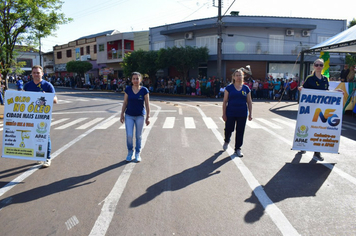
(221, 92)
(278, 94)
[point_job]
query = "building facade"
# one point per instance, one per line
(82, 49)
(48, 63)
(113, 48)
(29, 57)
(270, 45)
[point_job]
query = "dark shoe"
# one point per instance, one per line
(318, 156)
(225, 146)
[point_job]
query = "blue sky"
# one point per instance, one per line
(92, 16)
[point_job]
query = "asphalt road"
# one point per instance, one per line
(185, 184)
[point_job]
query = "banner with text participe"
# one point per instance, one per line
(319, 121)
(27, 123)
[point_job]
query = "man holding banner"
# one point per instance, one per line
(319, 116)
(37, 84)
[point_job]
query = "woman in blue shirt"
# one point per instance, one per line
(316, 81)
(237, 106)
(135, 107)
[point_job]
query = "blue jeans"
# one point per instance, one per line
(1, 99)
(49, 148)
(130, 122)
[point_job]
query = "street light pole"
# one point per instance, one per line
(219, 52)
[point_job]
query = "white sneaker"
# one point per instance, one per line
(239, 153)
(225, 146)
(138, 157)
(47, 163)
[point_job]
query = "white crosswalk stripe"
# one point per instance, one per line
(58, 121)
(90, 123)
(189, 123)
(210, 123)
(64, 101)
(268, 123)
(109, 123)
(289, 123)
(253, 125)
(348, 123)
(169, 123)
(349, 127)
(71, 123)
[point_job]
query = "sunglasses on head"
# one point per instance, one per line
(316, 65)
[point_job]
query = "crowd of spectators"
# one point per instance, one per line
(269, 88)
(202, 86)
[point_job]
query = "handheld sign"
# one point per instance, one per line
(319, 121)
(27, 123)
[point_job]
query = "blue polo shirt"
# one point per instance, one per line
(237, 102)
(135, 104)
(42, 86)
(313, 82)
(19, 84)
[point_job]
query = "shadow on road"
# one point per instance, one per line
(56, 187)
(13, 171)
(294, 180)
(182, 179)
(290, 114)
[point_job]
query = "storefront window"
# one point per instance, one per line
(283, 70)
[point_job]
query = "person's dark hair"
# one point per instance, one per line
(138, 74)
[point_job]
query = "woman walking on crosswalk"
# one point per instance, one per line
(237, 106)
(135, 107)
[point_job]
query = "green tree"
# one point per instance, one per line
(352, 23)
(183, 59)
(79, 67)
(150, 67)
(24, 22)
(148, 62)
(132, 62)
(350, 59)
(141, 61)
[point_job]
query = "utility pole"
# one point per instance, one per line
(219, 41)
(40, 51)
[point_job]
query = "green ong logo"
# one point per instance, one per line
(302, 131)
(41, 127)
